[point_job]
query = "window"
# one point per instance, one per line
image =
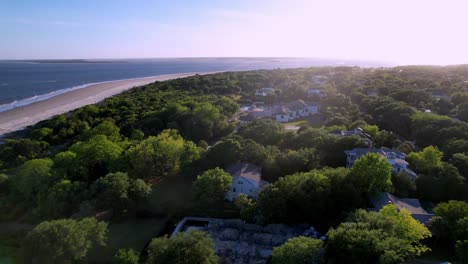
(240, 182)
(233, 189)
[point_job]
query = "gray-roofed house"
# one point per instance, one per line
(265, 91)
(246, 179)
(410, 204)
(354, 132)
(315, 92)
(294, 110)
(394, 157)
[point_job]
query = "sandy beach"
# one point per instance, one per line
(21, 117)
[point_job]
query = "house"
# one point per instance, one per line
(440, 95)
(394, 157)
(354, 132)
(373, 93)
(265, 92)
(246, 179)
(319, 80)
(282, 114)
(260, 93)
(412, 205)
(316, 92)
(294, 110)
(268, 90)
(298, 108)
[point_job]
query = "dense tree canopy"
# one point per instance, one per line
(184, 248)
(426, 159)
(372, 173)
(299, 250)
(70, 164)
(118, 191)
(160, 156)
(63, 241)
(211, 187)
(31, 179)
(387, 236)
(126, 256)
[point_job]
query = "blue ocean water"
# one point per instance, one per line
(25, 82)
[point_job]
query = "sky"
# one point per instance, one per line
(393, 31)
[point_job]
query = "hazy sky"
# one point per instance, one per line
(399, 31)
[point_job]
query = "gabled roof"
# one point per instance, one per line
(382, 151)
(297, 105)
(281, 110)
(314, 91)
(363, 151)
(412, 205)
(398, 153)
(246, 170)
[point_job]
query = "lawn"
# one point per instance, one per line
(170, 196)
(11, 236)
(313, 121)
(133, 233)
(8, 255)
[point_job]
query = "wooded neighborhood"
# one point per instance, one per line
(368, 176)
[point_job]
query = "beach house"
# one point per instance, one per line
(394, 157)
(246, 179)
(410, 204)
(294, 110)
(265, 91)
(315, 92)
(354, 132)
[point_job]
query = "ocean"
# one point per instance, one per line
(25, 82)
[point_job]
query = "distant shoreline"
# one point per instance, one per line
(74, 61)
(28, 115)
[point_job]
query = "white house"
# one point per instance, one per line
(246, 179)
(313, 108)
(394, 157)
(282, 114)
(265, 91)
(268, 90)
(260, 93)
(319, 80)
(317, 92)
(294, 110)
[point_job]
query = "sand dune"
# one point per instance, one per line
(21, 117)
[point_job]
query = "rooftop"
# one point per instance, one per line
(296, 105)
(412, 205)
(383, 151)
(246, 170)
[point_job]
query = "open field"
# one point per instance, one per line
(134, 233)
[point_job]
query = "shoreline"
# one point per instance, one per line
(27, 115)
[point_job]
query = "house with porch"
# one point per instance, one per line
(294, 110)
(394, 157)
(246, 179)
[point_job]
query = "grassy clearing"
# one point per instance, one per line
(171, 196)
(10, 243)
(8, 255)
(134, 233)
(313, 121)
